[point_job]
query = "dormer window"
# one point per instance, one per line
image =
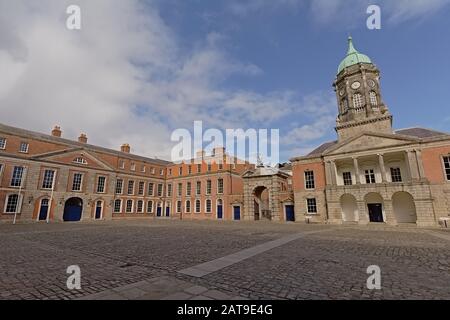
(80, 160)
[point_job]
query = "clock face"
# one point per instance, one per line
(342, 92)
(356, 85)
(371, 83)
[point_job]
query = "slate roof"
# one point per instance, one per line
(417, 132)
(49, 138)
(420, 133)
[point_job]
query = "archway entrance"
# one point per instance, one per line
(404, 208)
(73, 210)
(99, 210)
(349, 208)
(375, 208)
(44, 208)
(262, 204)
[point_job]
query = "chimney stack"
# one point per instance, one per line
(56, 132)
(125, 148)
(83, 138)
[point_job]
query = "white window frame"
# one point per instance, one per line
(344, 174)
(169, 190)
(160, 190)
(151, 189)
(99, 184)
(80, 160)
(180, 207)
(370, 173)
(150, 207)
(197, 201)
(210, 206)
(208, 187)
(52, 181)
(141, 186)
(3, 143)
(310, 173)
(81, 181)
(180, 189)
(121, 186)
(186, 206)
(308, 206)
(18, 208)
(188, 189)
(399, 175)
(141, 208)
(198, 188)
(446, 159)
(24, 150)
(21, 177)
(132, 206)
(120, 206)
(220, 186)
(128, 187)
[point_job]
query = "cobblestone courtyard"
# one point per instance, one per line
(167, 260)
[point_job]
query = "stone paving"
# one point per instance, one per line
(142, 260)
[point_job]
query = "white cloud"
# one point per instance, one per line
(343, 12)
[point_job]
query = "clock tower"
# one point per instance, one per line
(357, 86)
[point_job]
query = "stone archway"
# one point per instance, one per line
(262, 204)
(349, 208)
(73, 210)
(404, 207)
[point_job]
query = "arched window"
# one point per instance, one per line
(117, 206)
(188, 206)
(197, 206)
(357, 101)
(373, 98)
(208, 206)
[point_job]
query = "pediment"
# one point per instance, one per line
(368, 141)
(77, 157)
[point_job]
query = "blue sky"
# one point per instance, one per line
(232, 64)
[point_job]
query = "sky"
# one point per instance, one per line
(140, 69)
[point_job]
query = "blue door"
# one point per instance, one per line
(73, 210)
(44, 210)
(219, 212)
(167, 211)
(290, 215)
(98, 211)
(158, 212)
(237, 213)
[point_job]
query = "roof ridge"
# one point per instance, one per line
(43, 136)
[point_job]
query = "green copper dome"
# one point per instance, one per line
(353, 57)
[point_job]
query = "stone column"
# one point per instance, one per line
(382, 167)
(412, 165)
(357, 173)
(420, 164)
(362, 211)
(328, 173)
(389, 212)
(334, 172)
